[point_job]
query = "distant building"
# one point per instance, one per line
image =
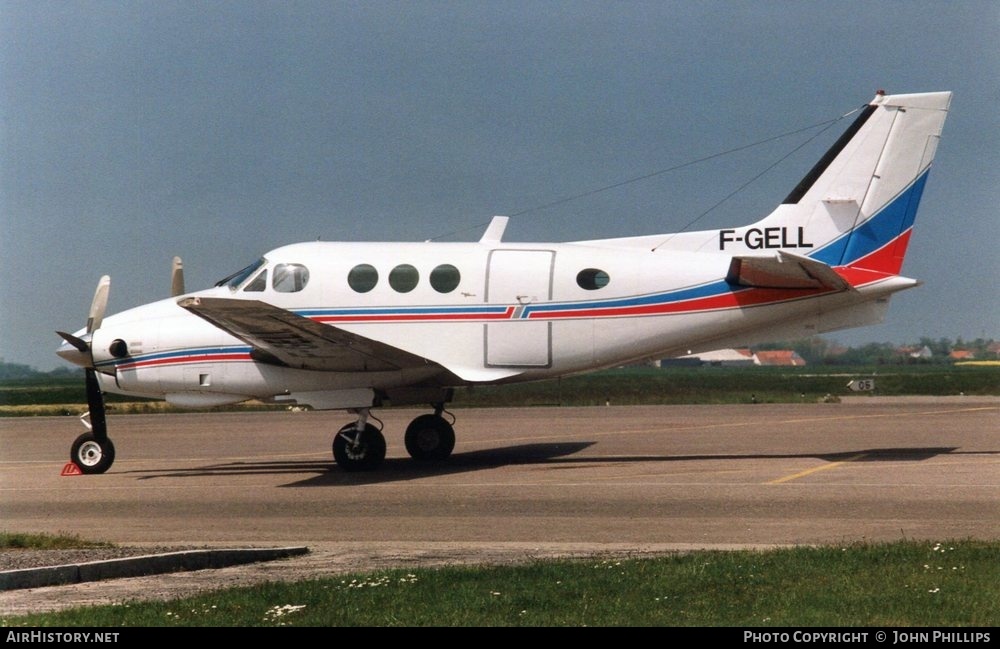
(994, 349)
(779, 357)
(921, 353)
(722, 357)
(962, 355)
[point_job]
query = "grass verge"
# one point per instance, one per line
(896, 584)
(22, 541)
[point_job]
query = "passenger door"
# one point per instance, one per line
(519, 278)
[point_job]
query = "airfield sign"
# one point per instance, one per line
(861, 385)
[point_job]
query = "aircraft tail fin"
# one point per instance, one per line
(856, 207)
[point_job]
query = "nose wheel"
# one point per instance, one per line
(92, 454)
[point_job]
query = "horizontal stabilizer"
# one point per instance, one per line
(784, 270)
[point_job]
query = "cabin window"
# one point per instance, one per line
(591, 279)
(445, 278)
(258, 284)
(362, 278)
(403, 278)
(289, 278)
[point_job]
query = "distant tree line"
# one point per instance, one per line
(817, 350)
(16, 371)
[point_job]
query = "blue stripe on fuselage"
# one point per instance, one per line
(705, 290)
(194, 352)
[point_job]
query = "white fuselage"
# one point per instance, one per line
(512, 312)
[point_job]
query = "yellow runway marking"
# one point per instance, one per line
(815, 469)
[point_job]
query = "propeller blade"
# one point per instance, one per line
(99, 304)
(95, 400)
(177, 278)
(79, 343)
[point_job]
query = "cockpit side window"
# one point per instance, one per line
(233, 281)
(289, 278)
(258, 284)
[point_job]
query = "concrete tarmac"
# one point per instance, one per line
(522, 484)
(693, 475)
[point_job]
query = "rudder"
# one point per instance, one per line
(859, 202)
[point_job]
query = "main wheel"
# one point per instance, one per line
(429, 438)
(92, 455)
(359, 450)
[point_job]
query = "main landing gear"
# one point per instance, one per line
(360, 446)
(429, 438)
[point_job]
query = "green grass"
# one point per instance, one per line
(21, 541)
(711, 385)
(628, 386)
(897, 584)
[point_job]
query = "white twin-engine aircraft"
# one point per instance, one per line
(355, 326)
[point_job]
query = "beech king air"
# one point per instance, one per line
(355, 326)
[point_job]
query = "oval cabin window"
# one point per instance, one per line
(403, 278)
(445, 278)
(591, 279)
(362, 278)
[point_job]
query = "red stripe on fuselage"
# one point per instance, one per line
(184, 359)
(735, 299)
(415, 317)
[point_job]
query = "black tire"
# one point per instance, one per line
(92, 455)
(359, 452)
(429, 438)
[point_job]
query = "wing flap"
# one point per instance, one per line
(784, 270)
(281, 337)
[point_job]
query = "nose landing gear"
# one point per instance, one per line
(93, 451)
(91, 454)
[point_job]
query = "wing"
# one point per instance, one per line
(281, 337)
(784, 270)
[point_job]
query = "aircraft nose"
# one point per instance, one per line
(73, 354)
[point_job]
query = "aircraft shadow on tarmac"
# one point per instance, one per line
(391, 470)
(553, 455)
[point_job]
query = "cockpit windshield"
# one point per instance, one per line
(237, 278)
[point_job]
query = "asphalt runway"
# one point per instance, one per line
(684, 476)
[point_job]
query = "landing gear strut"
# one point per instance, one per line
(430, 438)
(359, 446)
(93, 451)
